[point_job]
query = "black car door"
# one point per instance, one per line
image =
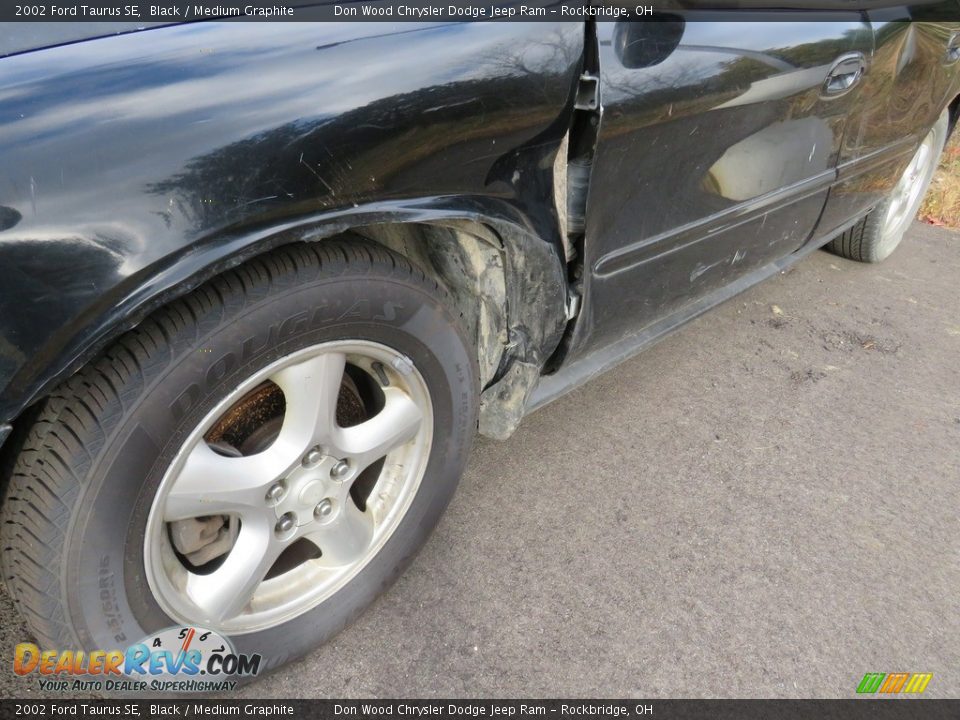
(718, 143)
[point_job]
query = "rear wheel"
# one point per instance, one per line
(261, 458)
(879, 233)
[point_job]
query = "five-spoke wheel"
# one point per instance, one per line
(245, 535)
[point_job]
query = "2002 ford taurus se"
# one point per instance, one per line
(260, 285)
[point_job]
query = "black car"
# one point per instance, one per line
(260, 284)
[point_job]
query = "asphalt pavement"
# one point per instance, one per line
(765, 504)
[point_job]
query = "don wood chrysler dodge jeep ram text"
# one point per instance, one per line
(261, 284)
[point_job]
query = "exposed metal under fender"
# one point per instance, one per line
(580, 146)
(467, 259)
(503, 404)
(536, 296)
(4, 432)
(509, 288)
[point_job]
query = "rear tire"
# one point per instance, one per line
(879, 233)
(76, 510)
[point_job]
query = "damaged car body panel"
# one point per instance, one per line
(135, 170)
(578, 190)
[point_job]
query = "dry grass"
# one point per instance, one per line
(941, 206)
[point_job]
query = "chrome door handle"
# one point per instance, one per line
(845, 72)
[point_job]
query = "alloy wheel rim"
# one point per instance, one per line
(298, 491)
(908, 193)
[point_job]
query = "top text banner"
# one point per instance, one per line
(131, 14)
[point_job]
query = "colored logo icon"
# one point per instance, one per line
(893, 683)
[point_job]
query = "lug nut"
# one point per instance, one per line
(275, 492)
(285, 524)
(313, 456)
(340, 470)
(323, 508)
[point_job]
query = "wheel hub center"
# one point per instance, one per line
(310, 486)
(311, 493)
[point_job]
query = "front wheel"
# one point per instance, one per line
(880, 232)
(261, 458)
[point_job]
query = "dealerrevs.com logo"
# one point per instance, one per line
(178, 659)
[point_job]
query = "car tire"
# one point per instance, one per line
(879, 233)
(86, 484)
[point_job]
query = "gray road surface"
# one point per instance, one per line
(765, 504)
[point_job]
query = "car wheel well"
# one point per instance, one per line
(467, 259)
(464, 257)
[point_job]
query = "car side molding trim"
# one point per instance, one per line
(876, 159)
(638, 253)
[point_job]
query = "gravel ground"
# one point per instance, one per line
(764, 504)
